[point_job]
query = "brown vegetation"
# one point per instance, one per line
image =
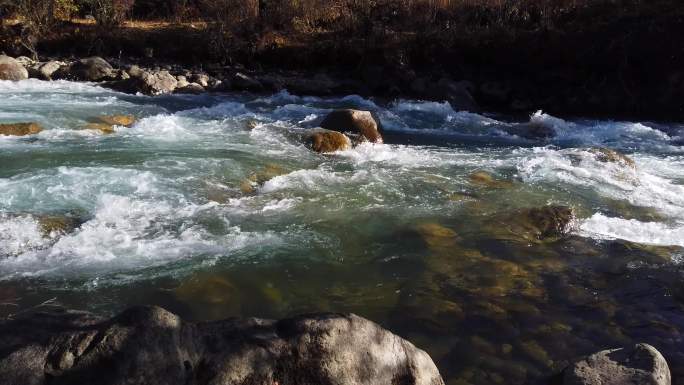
(595, 55)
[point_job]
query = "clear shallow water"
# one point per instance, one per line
(211, 207)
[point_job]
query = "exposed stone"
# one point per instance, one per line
(11, 69)
(91, 69)
(640, 364)
(46, 70)
(20, 129)
(190, 88)
(149, 345)
(355, 122)
(106, 123)
(324, 141)
(201, 79)
(158, 83)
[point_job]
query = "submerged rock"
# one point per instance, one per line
(539, 224)
(149, 345)
(356, 122)
(20, 129)
(325, 141)
(640, 364)
(607, 155)
(52, 225)
(483, 178)
(11, 69)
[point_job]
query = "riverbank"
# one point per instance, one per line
(599, 60)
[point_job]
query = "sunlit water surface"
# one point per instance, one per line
(211, 207)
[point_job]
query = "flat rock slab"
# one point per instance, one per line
(149, 345)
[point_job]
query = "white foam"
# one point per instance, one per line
(651, 233)
(19, 234)
(159, 127)
(310, 180)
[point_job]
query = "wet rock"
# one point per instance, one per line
(607, 155)
(258, 178)
(19, 129)
(148, 345)
(106, 123)
(483, 178)
(53, 226)
(91, 69)
(354, 122)
(533, 350)
(11, 69)
(437, 236)
(640, 364)
(326, 141)
(539, 224)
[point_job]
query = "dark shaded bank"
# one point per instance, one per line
(149, 345)
(602, 60)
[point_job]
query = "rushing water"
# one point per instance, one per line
(211, 207)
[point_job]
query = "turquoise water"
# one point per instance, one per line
(212, 207)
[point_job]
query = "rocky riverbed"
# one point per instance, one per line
(506, 248)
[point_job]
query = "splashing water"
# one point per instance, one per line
(212, 207)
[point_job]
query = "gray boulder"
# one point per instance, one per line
(148, 345)
(45, 70)
(640, 364)
(158, 83)
(11, 69)
(91, 69)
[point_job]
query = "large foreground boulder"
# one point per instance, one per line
(11, 69)
(148, 345)
(357, 123)
(640, 364)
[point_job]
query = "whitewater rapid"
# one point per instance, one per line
(164, 195)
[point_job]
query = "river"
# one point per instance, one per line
(211, 207)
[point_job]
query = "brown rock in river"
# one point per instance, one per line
(325, 141)
(106, 123)
(355, 122)
(483, 178)
(20, 129)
